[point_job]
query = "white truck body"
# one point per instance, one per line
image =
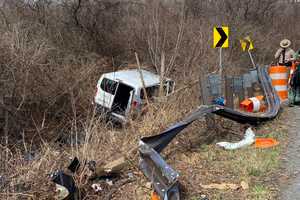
(117, 92)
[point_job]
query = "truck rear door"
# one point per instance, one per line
(106, 92)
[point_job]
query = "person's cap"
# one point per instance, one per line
(285, 43)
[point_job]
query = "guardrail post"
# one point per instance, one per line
(215, 86)
(207, 100)
(238, 88)
(248, 85)
(204, 90)
(229, 91)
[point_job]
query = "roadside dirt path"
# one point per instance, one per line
(290, 189)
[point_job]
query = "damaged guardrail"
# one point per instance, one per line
(162, 176)
(165, 179)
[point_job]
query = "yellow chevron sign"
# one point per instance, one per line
(221, 37)
(247, 44)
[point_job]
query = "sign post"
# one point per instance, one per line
(220, 62)
(247, 44)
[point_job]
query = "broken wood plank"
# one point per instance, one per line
(114, 167)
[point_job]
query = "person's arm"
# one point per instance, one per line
(278, 52)
(292, 55)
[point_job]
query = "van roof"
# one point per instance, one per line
(132, 77)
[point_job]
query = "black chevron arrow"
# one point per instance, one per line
(223, 37)
(247, 45)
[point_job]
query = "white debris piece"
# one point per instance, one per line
(62, 192)
(96, 187)
(249, 139)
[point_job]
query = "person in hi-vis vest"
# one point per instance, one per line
(285, 55)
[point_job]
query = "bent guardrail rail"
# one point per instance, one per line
(165, 179)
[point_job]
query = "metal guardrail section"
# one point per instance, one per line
(162, 176)
(165, 179)
(273, 102)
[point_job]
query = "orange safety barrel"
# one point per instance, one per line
(279, 76)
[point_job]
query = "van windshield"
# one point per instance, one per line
(109, 86)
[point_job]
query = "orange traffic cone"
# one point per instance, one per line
(253, 104)
(154, 196)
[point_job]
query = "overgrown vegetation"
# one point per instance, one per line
(53, 52)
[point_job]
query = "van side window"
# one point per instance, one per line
(151, 92)
(109, 86)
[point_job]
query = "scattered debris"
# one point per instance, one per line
(249, 139)
(92, 165)
(244, 185)
(63, 192)
(220, 101)
(265, 142)
(226, 186)
(203, 197)
(130, 175)
(96, 187)
(74, 165)
(112, 168)
(109, 182)
(65, 183)
(221, 186)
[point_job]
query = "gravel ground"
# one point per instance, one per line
(290, 188)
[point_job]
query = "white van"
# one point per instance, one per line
(118, 92)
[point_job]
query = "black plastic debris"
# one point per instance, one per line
(67, 181)
(3, 181)
(91, 165)
(74, 165)
(29, 156)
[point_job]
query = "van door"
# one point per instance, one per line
(107, 91)
(121, 99)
